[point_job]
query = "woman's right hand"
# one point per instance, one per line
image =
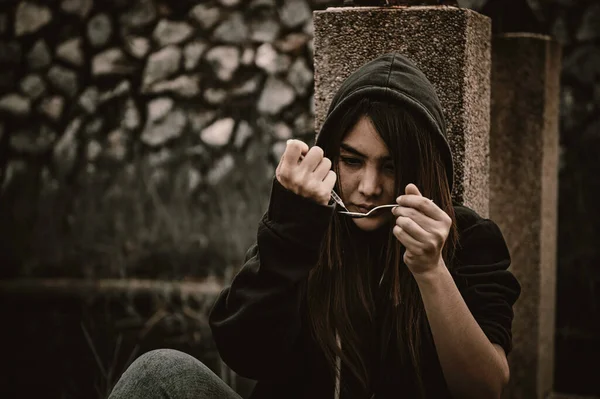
(306, 172)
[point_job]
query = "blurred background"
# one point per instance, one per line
(138, 140)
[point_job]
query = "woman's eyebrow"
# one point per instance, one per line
(354, 151)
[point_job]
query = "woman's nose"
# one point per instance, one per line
(369, 185)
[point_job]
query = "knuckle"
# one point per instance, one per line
(317, 151)
(282, 174)
(428, 248)
(439, 235)
(296, 145)
(280, 178)
(448, 220)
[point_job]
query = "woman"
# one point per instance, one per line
(412, 302)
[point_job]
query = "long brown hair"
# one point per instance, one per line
(339, 295)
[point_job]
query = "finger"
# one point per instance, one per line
(423, 205)
(312, 159)
(303, 146)
(412, 189)
(322, 169)
(405, 239)
(294, 150)
(424, 221)
(412, 228)
(329, 181)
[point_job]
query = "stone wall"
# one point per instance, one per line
(120, 120)
(137, 140)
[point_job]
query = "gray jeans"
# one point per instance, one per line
(170, 374)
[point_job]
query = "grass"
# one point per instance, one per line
(110, 372)
(137, 221)
(146, 222)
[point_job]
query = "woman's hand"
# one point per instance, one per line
(422, 227)
(306, 172)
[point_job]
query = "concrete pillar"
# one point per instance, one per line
(449, 44)
(523, 196)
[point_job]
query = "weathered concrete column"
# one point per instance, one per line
(449, 44)
(523, 196)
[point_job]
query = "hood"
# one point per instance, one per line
(393, 77)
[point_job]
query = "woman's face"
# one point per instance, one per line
(366, 174)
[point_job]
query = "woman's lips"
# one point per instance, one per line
(363, 208)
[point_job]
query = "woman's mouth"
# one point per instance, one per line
(364, 208)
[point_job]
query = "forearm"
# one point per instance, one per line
(471, 365)
(256, 321)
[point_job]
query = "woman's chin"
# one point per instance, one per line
(370, 223)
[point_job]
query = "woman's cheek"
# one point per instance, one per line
(390, 190)
(346, 180)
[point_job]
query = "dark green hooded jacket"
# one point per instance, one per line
(259, 322)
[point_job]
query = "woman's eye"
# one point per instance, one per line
(389, 167)
(351, 161)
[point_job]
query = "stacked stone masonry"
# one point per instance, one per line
(209, 75)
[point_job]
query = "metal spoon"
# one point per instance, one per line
(364, 215)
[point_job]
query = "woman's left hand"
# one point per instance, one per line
(422, 227)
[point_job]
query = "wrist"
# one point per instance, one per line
(433, 274)
(287, 207)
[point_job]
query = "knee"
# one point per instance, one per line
(158, 370)
(166, 363)
(167, 359)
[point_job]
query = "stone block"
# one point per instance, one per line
(450, 45)
(524, 150)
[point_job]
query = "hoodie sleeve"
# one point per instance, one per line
(487, 286)
(256, 322)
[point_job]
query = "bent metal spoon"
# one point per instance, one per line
(346, 212)
(336, 198)
(364, 215)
